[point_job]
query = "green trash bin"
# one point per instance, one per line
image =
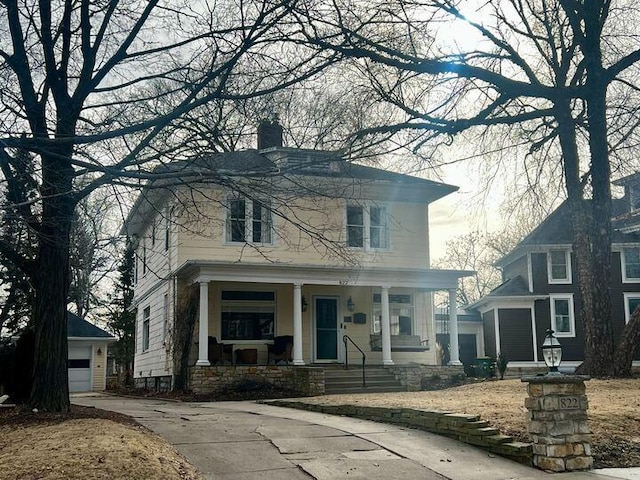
(484, 367)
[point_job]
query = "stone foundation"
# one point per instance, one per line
(307, 381)
(558, 425)
(414, 376)
(157, 384)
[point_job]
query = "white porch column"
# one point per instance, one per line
(203, 329)
(453, 329)
(385, 327)
(297, 324)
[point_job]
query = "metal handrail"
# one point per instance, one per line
(346, 355)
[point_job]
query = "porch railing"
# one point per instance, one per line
(346, 339)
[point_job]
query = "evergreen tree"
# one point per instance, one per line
(122, 320)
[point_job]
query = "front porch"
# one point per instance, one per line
(386, 313)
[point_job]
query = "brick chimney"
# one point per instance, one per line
(269, 134)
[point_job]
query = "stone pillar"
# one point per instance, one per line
(297, 324)
(385, 326)
(454, 353)
(558, 425)
(203, 329)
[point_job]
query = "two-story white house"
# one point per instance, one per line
(244, 248)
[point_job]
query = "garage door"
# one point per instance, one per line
(79, 364)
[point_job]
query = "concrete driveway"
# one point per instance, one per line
(246, 440)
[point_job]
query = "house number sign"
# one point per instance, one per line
(569, 403)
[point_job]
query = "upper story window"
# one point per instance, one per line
(631, 302)
(367, 227)
(559, 266)
(248, 221)
(563, 321)
(630, 264)
(146, 319)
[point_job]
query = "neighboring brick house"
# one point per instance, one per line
(540, 291)
(297, 243)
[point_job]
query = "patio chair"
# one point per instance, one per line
(220, 352)
(281, 349)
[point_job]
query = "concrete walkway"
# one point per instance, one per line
(245, 440)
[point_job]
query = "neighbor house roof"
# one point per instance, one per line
(512, 288)
(556, 230)
(79, 328)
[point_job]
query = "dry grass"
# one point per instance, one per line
(87, 448)
(614, 411)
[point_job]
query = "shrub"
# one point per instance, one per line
(501, 364)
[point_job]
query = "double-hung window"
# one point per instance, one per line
(248, 221)
(563, 321)
(146, 319)
(559, 266)
(400, 314)
(367, 227)
(631, 302)
(631, 264)
(248, 315)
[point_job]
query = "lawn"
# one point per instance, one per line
(614, 411)
(86, 444)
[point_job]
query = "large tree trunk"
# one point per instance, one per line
(599, 343)
(629, 341)
(50, 390)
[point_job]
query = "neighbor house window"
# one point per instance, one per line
(631, 302)
(146, 318)
(631, 264)
(559, 266)
(367, 227)
(248, 315)
(400, 314)
(248, 221)
(562, 316)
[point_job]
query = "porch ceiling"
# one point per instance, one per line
(428, 279)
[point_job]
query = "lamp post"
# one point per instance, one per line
(552, 352)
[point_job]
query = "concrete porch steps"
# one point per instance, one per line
(378, 379)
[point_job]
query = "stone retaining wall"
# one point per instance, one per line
(415, 376)
(307, 381)
(464, 428)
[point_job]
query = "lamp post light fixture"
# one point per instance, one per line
(552, 352)
(350, 305)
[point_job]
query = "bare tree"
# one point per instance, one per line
(558, 73)
(96, 90)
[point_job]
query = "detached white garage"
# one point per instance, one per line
(87, 359)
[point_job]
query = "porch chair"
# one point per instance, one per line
(220, 352)
(281, 349)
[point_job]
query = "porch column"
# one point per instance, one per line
(297, 324)
(453, 329)
(203, 329)
(385, 327)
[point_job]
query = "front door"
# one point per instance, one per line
(326, 329)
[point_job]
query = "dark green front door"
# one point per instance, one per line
(326, 310)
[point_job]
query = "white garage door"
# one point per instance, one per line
(79, 369)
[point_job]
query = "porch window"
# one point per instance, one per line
(631, 264)
(400, 314)
(248, 315)
(248, 221)
(367, 227)
(146, 318)
(559, 266)
(562, 316)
